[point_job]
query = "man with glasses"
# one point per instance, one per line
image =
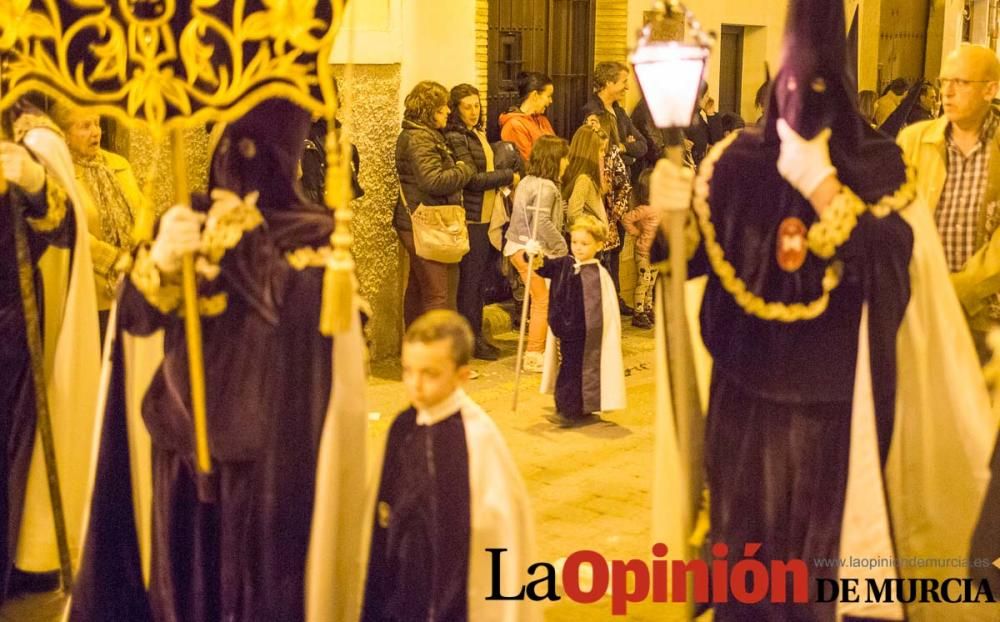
(957, 161)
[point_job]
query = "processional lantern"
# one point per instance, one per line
(670, 68)
(670, 72)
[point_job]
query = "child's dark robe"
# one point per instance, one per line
(589, 377)
(449, 490)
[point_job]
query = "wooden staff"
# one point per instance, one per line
(687, 405)
(689, 424)
(33, 334)
(524, 308)
(677, 321)
(192, 321)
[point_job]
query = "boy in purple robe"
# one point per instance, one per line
(449, 490)
(584, 317)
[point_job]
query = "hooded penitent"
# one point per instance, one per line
(238, 553)
(755, 223)
(260, 152)
(810, 408)
(812, 91)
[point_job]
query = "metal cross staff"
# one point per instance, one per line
(524, 304)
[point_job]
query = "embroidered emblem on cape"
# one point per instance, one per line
(383, 512)
(791, 244)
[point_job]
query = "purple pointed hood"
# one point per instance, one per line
(261, 152)
(812, 91)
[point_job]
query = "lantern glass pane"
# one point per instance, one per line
(670, 76)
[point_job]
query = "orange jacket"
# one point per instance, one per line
(524, 129)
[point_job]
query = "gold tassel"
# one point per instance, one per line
(338, 289)
(338, 279)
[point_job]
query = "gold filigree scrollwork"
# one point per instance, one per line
(126, 59)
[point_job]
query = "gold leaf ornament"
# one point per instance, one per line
(292, 20)
(112, 62)
(14, 22)
(165, 65)
(197, 55)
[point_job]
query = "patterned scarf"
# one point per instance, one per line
(115, 214)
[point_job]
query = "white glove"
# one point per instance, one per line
(19, 168)
(180, 234)
(532, 247)
(804, 164)
(670, 186)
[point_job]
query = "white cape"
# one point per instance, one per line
(500, 517)
(938, 465)
(72, 366)
(675, 516)
(332, 578)
(945, 430)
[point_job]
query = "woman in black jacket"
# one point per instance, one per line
(468, 142)
(314, 159)
(428, 174)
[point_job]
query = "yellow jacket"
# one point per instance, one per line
(925, 149)
(104, 254)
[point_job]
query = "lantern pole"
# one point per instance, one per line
(678, 422)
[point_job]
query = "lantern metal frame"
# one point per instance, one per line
(672, 102)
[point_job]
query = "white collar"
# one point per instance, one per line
(579, 264)
(443, 409)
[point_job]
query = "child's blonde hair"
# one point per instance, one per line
(597, 229)
(443, 324)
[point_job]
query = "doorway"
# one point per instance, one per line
(731, 69)
(555, 37)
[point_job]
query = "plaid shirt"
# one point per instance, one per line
(958, 210)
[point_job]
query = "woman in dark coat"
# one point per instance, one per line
(314, 160)
(428, 174)
(467, 140)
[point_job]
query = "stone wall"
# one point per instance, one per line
(374, 126)
(152, 163)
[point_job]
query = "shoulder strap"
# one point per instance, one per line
(402, 195)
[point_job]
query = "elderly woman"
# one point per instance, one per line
(111, 198)
(428, 175)
(468, 142)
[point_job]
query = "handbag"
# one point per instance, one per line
(439, 232)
